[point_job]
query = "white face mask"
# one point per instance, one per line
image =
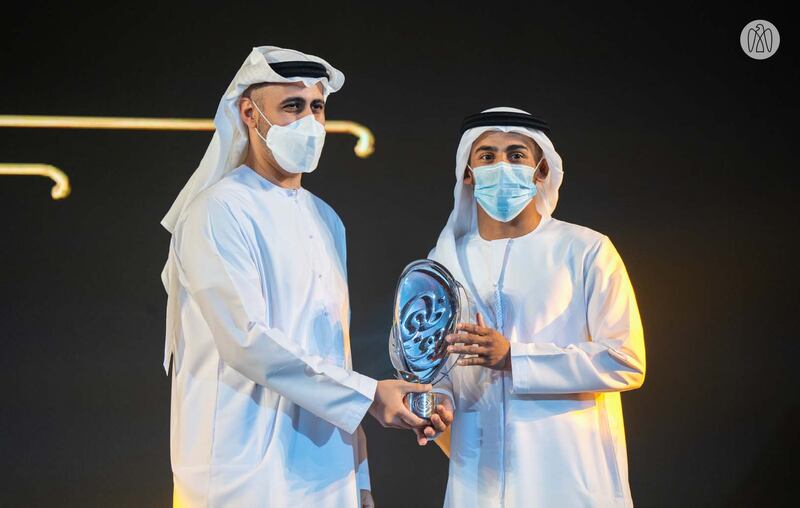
(296, 146)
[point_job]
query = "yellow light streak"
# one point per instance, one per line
(60, 190)
(365, 145)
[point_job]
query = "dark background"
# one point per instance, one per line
(675, 144)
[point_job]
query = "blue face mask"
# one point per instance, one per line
(503, 190)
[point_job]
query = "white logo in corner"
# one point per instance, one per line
(760, 39)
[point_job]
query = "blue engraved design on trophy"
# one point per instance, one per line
(423, 321)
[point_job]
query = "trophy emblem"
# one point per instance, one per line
(427, 307)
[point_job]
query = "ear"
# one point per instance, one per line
(247, 112)
(542, 172)
(468, 178)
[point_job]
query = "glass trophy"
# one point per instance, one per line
(428, 305)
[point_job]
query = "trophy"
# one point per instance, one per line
(427, 307)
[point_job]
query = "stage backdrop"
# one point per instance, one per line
(675, 143)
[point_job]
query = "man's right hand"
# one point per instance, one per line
(389, 406)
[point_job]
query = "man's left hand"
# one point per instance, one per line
(440, 421)
(493, 350)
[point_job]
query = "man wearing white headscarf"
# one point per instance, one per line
(265, 404)
(555, 339)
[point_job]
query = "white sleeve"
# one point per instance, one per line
(216, 267)
(613, 359)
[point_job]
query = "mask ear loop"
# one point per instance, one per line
(263, 138)
(541, 190)
(536, 168)
(260, 112)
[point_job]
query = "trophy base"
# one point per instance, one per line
(421, 404)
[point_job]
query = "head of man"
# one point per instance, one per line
(503, 168)
(512, 147)
(266, 105)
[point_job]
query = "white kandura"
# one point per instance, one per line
(550, 431)
(265, 404)
(264, 399)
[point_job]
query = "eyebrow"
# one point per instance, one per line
(511, 148)
(293, 99)
(301, 100)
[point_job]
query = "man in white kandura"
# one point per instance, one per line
(557, 335)
(265, 404)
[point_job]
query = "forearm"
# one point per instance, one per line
(215, 266)
(612, 358)
(546, 368)
(267, 357)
